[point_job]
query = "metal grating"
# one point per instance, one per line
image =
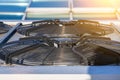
(4, 28)
(55, 42)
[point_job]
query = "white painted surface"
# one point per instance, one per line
(45, 77)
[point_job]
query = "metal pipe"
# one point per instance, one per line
(9, 34)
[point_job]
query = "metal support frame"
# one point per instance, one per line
(71, 9)
(9, 34)
(25, 13)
